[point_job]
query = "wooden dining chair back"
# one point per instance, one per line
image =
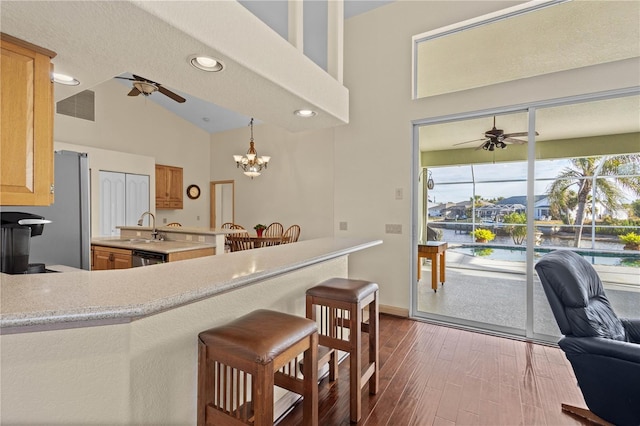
(291, 235)
(174, 224)
(274, 230)
(227, 242)
(239, 243)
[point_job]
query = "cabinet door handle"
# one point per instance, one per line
(111, 257)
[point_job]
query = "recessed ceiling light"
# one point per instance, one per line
(305, 113)
(65, 79)
(206, 63)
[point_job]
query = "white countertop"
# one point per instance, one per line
(182, 230)
(87, 298)
(156, 246)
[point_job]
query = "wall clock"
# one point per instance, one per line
(193, 191)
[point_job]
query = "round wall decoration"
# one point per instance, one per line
(193, 191)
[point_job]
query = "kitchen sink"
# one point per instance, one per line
(141, 241)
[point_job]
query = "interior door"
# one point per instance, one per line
(112, 202)
(222, 202)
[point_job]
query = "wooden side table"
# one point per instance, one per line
(434, 250)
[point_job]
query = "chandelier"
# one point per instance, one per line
(251, 163)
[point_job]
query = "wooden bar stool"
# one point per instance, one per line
(336, 305)
(240, 362)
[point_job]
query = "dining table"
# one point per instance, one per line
(258, 241)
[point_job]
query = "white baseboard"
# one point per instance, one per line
(393, 310)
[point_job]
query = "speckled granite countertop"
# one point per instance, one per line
(156, 246)
(182, 230)
(89, 298)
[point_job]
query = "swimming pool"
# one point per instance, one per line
(518, 254)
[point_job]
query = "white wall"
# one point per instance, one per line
(135, 125)
(373, 153)
(297, 187)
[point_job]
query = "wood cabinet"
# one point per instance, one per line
(191, 254)
(26, 124)
(104, 258)
(168, 187)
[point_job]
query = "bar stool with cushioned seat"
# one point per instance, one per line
(240, 362)
(336, 305)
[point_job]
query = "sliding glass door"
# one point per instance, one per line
(483, 200)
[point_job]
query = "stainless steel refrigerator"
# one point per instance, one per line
(67, 239)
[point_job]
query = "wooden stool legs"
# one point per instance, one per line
(337, 307)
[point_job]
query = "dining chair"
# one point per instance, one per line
(174, 224)
(273, 230)
(230, 225)
(239, 243)
(291, 235)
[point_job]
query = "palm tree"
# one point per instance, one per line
(609, 192)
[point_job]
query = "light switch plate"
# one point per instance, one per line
(393, 228)
(343, 226)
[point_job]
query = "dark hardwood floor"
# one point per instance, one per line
(434, 375)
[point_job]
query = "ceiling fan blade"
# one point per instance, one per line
(125, 78)
(516, 141)
(170, 94)
(138, 78)
(462, 143)
(134, 92)
(508, 135)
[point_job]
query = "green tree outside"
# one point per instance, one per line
(578, 177)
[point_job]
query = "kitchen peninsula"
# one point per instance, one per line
(119, 346)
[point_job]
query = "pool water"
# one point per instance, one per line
(513, 254)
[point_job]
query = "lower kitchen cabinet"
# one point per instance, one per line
(191, 254)
(110, 258)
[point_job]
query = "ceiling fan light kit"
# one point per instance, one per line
(251, 164)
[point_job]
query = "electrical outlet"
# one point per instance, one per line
(197, 217)
(201, 238)
(164, 220)
(343, 226)
(393, 228)
(188, 237)
(138, 233)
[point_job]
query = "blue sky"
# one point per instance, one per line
(488, 179)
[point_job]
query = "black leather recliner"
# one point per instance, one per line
(604, 350)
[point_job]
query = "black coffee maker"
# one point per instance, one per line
(17, 230)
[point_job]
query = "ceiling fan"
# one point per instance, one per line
(147, 87)
(497, 138)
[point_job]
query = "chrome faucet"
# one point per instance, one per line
(154, 231)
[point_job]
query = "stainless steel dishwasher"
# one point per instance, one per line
(146, 258)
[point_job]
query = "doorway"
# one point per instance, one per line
(492, 285)
(222, 202)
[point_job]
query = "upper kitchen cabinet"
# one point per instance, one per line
(26, 124)
(168, 187)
